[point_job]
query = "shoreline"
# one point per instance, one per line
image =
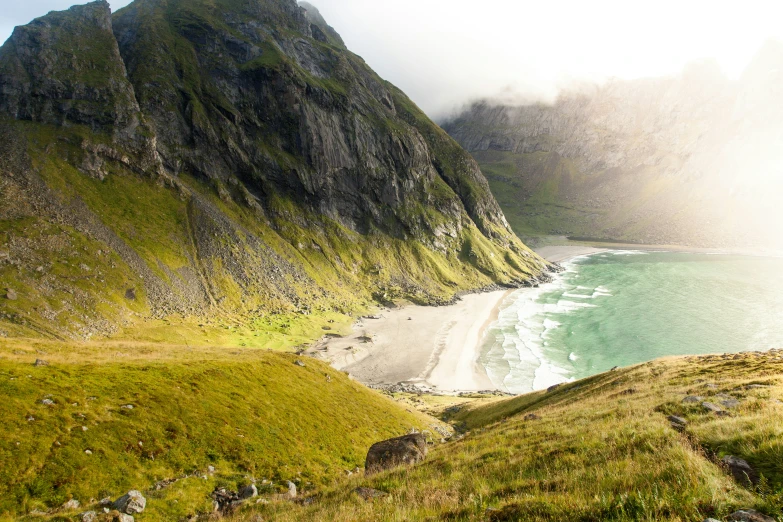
(432, 348)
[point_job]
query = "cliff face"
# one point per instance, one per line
(688, 159)
(230, 155)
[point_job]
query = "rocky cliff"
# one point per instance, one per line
(232, 156)
(689, 159)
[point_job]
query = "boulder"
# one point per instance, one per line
(299, 363)
(131, 503)
(740, 470)
(88, 516)
(11, 294)
(730, 403)
(692, 399)
(40, 362)
(750, 515)
(386, 454)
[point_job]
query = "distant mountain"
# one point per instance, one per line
(202, 157)
(693, 159)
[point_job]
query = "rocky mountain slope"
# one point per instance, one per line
(692, 159)
(198, 158)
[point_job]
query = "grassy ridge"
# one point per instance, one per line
(249, 413)
(601, 449)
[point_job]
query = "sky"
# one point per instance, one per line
(445, 53)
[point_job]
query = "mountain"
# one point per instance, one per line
(213, 159)
(692, 159)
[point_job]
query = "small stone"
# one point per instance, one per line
(84, 428)
(40, 362)
(677, 422)
(88, 516)
(131, 503)
(749, 515)
(130, 294)
(291, 490)
(106, 501)
(714, 408)
(553, 388)
(47, 402)
(122, 517)
(127, 406)
(692, 399)
(299, 363)
(11, 294)
(248, 492)
(629, 391)
(532, 417)
(30, 418)
(87, 452)
(710, 520)
(369, 494)
(210, 469)
(730, 403)
(756, 386)
(71, 504)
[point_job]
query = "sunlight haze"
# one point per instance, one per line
(445, 53)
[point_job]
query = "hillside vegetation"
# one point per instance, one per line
(99, 420)
(598, 449)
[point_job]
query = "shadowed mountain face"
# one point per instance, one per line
(203, 156)
(693, 159)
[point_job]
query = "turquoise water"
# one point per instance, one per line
(624, 307)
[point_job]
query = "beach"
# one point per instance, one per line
(433, 347)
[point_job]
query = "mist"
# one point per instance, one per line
(444, 53)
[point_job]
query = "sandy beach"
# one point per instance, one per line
(431, 347)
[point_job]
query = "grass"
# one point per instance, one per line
(597, 452)
(249, 413)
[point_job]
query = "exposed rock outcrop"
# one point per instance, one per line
(408, 449)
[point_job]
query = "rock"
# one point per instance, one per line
(756, 386)
(629, 391)
(408, 449)
(248, 492)
(532, 417)
(692, 399)
(710, 520)
(740, 470)
(131, 503)
(210, 469)
(40, 362)
(553, 387)
(750, 515)
(121, 517)
(677, 422)
(88, 516)
(714, 408)
(291, 490)
(71, 504)
(47, 402)
(730, 403)
(127, 406)
(369, 493)
(11, 294)
(299, 363)
(88, 452)
(104, 502)
(130, 294)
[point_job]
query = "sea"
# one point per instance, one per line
(624, 307)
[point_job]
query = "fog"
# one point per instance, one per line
(444, 53)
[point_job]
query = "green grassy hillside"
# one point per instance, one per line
(151, 412)
(594, 450)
